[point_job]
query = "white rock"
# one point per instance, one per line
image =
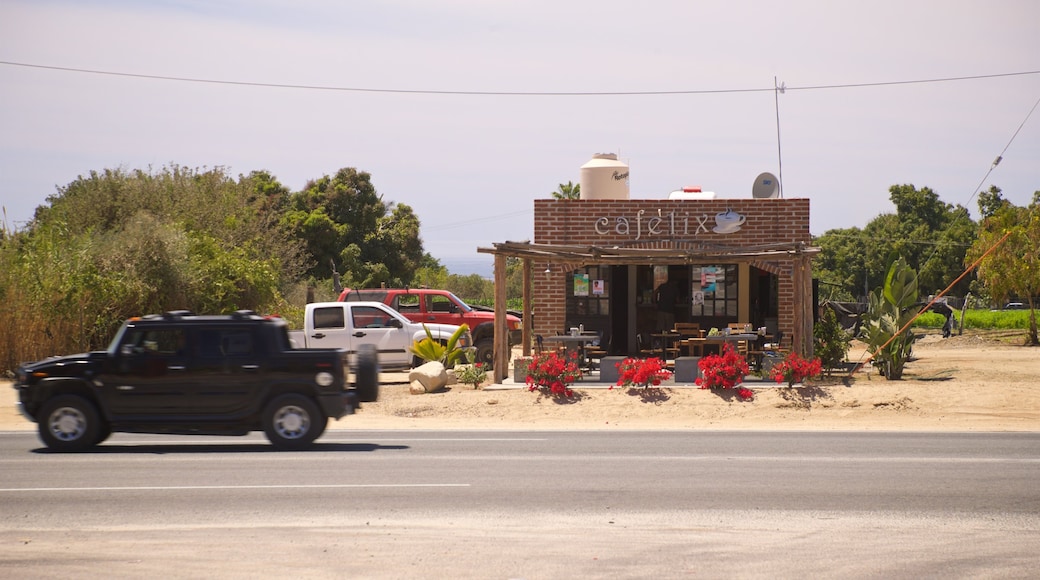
(431, 377)
(453, 378)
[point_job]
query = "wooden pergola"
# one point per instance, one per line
(799, 253)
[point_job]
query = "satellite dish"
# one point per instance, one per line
(767, 186)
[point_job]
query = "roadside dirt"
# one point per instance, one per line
(977, 382)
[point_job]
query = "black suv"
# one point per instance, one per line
(201, 375)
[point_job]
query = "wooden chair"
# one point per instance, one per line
(672, 345)
(540, 345)
(694, 346)
(688, 329)
(690, 337)
(645, 345)
(597, 350)
(597, 346)
(738, 328)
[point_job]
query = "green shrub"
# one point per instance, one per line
(979, 319)
(830, 341)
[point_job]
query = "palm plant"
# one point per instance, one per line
(567, 190)
(886, 327)
(448, 354)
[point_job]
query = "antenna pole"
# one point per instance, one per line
(780, 158)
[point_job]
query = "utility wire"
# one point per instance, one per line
(1001, 156)
(480, 220)
(503, 93)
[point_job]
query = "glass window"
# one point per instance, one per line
(369, 317)
(237, 342)
(165, 341)
(407, 303)
(588, 293)
(329, 317)
(438, 303)
(714, 291)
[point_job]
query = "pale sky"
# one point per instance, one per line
(470, 165)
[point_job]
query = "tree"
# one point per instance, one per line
(567, 190)
(343, 220)
(990, 202)
(115, 244)
(931, 235)
(841, 266)
(431, 274)
(1013, 267)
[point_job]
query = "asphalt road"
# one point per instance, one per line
(512, 504)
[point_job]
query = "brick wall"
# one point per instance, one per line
(642, 223)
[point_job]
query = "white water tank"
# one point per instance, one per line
(604, 177)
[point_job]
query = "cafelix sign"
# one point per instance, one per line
(647, 224)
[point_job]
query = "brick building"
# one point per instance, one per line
(599, 262)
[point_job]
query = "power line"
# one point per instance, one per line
(1001, 156)
(480, 220)
(504, 93)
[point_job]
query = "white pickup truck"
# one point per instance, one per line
(349, 325)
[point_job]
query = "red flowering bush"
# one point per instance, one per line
(642, 372)
(722, 371)
(745, 394)
(795, 369)
(552, 374)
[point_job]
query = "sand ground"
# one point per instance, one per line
(975, 382)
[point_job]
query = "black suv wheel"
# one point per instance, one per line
(367, 379)
(69, 423)
(292, 422)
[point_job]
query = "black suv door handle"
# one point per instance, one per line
(359, 334)
(318, 335)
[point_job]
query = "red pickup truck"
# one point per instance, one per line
(441, 307)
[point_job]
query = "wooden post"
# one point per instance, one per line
(801, 271)
(527, 320)
(802, 282)
(810, 305)
(501, 345)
